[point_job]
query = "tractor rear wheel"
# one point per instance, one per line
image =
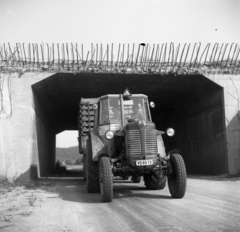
(155, 181)
(84, 167)
(91, 171)
(106, 179)
(177, 178)
(136, 179)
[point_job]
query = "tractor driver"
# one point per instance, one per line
(116, 114)
(137, 112)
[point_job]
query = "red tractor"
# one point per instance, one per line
(119, 140)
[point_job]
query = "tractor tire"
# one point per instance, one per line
(125, 177)
(92, 174)
(177, 179)
(85, 167)
(136, 179)
(106, 179)
(155, 181)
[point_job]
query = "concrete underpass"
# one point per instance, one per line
(191, 104)
(196, 93)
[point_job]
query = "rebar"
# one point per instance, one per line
(159, 57)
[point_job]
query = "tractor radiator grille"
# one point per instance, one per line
(151, 142)
(133, 142)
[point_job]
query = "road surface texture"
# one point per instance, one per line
(210, 204)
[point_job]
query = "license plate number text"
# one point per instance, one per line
(144, 162)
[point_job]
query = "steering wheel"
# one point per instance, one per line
(130, 115)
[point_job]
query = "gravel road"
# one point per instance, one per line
(210, 204)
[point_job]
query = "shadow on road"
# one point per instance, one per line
(70, 186)
(131, 190)
(74, 190)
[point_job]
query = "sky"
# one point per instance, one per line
(119, 21)
(67, 139)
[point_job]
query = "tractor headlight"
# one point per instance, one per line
(109, 135)
(170, 132)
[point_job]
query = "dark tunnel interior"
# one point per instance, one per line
(191, 104)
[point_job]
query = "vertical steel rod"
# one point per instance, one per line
(132, 54)
(219, 53)
(137, 55)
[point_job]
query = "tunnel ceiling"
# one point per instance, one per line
(59, 95)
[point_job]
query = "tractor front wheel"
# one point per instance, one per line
(177, 178)
(106, 179)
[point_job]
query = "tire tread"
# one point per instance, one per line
(107, 179)
(92, 171)
(181, 176)
(154, 181)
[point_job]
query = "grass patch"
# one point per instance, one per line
(6, 184)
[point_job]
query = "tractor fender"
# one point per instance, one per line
(102, 155)
(160, 146)
(97, 146)
(174, 151)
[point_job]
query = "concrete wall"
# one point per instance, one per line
(18, 134)
(46, 140)
(231, 85)
(200, 134)
(46, 149)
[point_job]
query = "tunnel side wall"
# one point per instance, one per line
(46, 140)
(46, 149)
(231, 85)
(18, 133)
(200, 135)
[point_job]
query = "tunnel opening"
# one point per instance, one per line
(69, 163)
(191, 104)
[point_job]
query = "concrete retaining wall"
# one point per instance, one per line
(231, 85)
(18, 134)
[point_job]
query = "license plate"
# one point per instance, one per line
(144, 162)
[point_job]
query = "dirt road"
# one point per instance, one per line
(65, 205)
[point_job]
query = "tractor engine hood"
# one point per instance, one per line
(141, 142)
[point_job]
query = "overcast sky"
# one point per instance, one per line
(119, 21)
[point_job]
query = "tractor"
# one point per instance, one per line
(118, 140)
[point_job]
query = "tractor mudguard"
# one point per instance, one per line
(174, 151)
(97, 146)
(161, 147)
